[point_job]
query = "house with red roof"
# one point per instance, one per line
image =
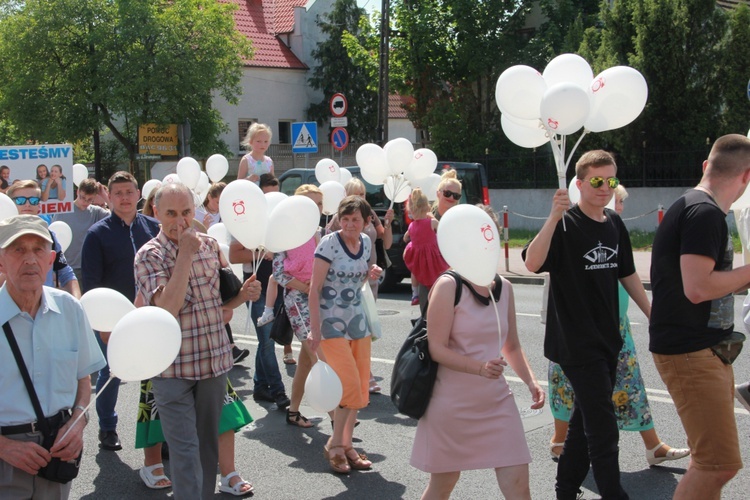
(274, 84)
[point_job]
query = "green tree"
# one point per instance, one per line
(675, 45)
(452, 52)
(346, 25)
(733, 81)
(75, 66)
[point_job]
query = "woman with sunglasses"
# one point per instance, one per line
(629, 395)
(448, 193)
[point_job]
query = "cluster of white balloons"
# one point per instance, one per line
(332, 180)
(538, 107)
(398, 168)
(133, 328)
(272, 221)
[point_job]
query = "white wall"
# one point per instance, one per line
(268, 95)
(537, 203)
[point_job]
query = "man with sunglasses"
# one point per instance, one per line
(693, 284)
(26, 194)
(586, 250)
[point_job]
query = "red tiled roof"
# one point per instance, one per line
(396, 105)
(261, 21)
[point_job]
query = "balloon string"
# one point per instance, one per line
(497, 318)
(567, 163)
(93, 400)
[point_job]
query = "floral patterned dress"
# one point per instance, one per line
(629, 395)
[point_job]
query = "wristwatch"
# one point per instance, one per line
(85, 413)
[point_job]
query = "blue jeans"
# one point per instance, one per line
(592, 433)
(107, 399)
(267, 376)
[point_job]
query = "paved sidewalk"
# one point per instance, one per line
(517, 273)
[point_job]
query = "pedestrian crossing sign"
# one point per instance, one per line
(304, 137)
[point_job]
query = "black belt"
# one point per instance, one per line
(53, 422)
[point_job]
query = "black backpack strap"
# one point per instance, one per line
(459, 285)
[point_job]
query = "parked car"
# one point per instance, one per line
(473, 179)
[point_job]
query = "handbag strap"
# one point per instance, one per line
(40, 419)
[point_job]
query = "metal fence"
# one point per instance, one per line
(536, 169)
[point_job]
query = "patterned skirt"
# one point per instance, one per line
(629, 395)
(234, 416)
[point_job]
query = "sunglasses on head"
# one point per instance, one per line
(451, 194)
(596, 182)
(21, 200)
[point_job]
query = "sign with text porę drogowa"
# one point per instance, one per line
(50, 165)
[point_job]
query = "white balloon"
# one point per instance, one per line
(143, 344)
(568, 68)
(202, 187)
(565, 106)
(80, 172)
(8, 207)
(219, 232)
(171, 179)
(323, 388)
(105, 307)
(423, 163)
(470, 243)
(63, 233)
(399, 152)
(292, 223)
(197, 201)
(189, 171)
(217, 167)
(428, 185)
(225, 250)
(519, 92)
(327, 170)
(573, 193)
(527, 134)
(274, 198)
(373, 164)
(617, 95)
(244, 211)
(149, 186)
(397, 189)
(333, 193)
(346, 176)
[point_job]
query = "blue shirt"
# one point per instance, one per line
(109, 252)
(58, 348)
(64, 272)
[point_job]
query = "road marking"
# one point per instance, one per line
(659, 395)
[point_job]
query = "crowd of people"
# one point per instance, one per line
(161, 256)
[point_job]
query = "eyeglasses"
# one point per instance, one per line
(596, 182)
(21, 200)
(451, 194)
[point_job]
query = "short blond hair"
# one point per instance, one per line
(354, 184)
(308, 189)
(254, 130)
(24, 184)
(595, 158)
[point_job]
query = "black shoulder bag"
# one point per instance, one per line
(56, 470)
(414, 371)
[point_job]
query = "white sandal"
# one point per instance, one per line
(672, 454)
(149, 479)
(235, 490)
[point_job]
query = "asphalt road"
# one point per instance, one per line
(285, 462)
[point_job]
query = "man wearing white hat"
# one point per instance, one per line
(59, 351)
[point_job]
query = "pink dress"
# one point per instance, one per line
(471, 422)
(422, 255)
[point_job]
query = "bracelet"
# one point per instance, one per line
(480, 369)
(85, 413)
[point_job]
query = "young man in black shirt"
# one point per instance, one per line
(693, 281)
(586, 257)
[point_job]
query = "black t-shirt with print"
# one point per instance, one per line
(693, 225)
(585, 262)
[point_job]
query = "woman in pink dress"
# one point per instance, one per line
(472, 421)
(422, 255)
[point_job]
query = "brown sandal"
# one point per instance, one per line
(338, 463)
(359, 463)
